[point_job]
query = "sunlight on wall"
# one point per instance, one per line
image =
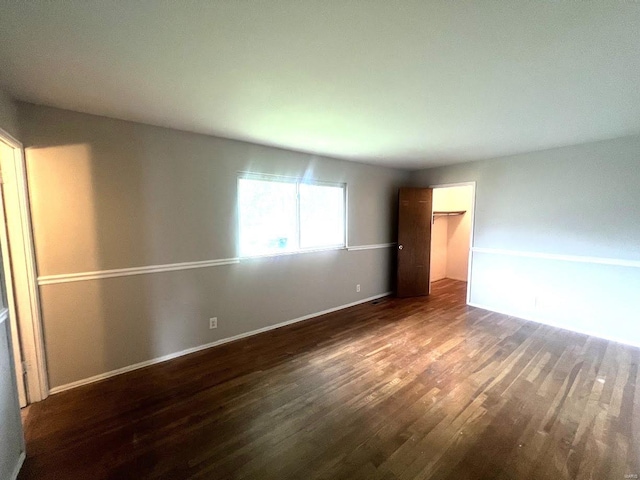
(560, 293)
(61, 189)
(65, 226)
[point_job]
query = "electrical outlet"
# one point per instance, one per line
(358, 288)
(213, 323)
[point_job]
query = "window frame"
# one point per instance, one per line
(297, 181)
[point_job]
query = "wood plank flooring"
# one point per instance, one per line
(396, 389)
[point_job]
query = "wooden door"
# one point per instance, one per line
(414, 241)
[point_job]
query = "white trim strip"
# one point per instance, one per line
(16, 469)
(170, 267)
(122, 272)
(9, 139)
(371, 247)
(171, 356)
(529, 318)
(4, 314)
(564, 258)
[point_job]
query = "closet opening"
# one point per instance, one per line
(451, 233)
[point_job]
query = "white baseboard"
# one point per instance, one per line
(460, 279)
(16, 470)
(531, 318)
(448, 278)
(171, 356)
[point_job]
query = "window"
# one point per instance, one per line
(280, 215)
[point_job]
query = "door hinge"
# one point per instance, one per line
(24, 367)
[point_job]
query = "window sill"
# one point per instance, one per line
(293, 252)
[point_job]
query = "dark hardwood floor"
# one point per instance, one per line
(395, 389)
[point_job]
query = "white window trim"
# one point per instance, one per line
(285, 179)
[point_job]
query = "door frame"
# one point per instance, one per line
(8, 313)
(472, 228)
(24, 280)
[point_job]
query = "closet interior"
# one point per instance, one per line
(451, 232)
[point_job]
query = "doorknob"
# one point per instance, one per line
(400, 247)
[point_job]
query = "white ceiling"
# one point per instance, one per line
(399, 83)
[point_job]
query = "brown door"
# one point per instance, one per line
(414, 241)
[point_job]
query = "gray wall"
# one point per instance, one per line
(8, 120)
(109, 194)
(557, 235)
(11, 440)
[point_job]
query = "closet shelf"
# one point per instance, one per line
(449, 214)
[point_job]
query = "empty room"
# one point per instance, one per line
(319, 239)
